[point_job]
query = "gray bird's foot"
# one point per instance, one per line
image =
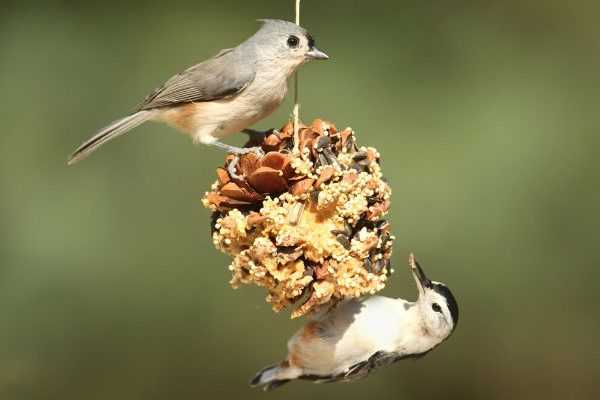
(233, 163)
(237, 152)
(231, 168)
(256, 150)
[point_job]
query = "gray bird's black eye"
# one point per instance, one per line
(436, 307)
(293, 41)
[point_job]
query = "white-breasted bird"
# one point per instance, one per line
(355, 337)
(224, 94)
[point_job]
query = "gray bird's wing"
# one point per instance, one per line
(222, 76)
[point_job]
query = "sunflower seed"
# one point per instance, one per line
(323, 160)
(372, 200)
(347, 231)
(349, 144)
(363, 223)
(368, 264)
(378, 267)
(309, 270)
(355, 166)
(343, 240)
(330, 157)
(314, 196)
(323, 142)
(286, 249)
(361, 155)
(296, 213)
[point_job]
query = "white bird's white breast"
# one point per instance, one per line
(349, 334)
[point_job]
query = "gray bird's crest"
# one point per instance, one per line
(281, 26)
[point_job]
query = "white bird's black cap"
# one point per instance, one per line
(424, 283)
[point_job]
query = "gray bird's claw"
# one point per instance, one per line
(231, 168)
(233, 163)
(258, 151)
(238, 150)
(245, 150)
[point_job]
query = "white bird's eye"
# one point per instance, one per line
(436, 307)
(293, 41)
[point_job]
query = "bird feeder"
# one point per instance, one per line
(305, 220)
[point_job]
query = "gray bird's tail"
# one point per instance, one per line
(117, 128)
(274, 376)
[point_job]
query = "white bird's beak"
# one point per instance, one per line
(316, 54)
(419, 275)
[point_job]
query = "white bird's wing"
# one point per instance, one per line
(377, 360)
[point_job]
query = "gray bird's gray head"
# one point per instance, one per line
(284, 43)
(436, 303)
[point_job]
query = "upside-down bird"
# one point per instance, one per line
(355, 337)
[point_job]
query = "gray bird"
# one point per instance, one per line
(355, 337)
(224, 94)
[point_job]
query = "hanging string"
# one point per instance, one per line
(296, 112)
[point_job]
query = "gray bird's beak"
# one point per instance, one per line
(316, 54)
(418, 274)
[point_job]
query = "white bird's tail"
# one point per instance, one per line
(117, 128)
(274, 376)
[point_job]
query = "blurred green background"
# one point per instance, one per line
(486, 117)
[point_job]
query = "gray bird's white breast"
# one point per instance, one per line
(217, 119)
